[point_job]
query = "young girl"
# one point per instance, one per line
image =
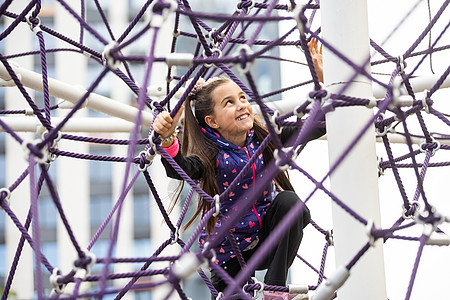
(220, 136)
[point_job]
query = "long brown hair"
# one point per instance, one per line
(194, 142)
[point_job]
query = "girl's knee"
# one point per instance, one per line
(288, 199)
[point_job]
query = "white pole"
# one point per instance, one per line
(81, 124)
(73, 93)
(355, 182)
(418, 84)
(20, 39)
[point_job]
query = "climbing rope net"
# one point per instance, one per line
(225, 49)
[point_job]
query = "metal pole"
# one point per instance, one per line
(82, 124)
(355, 181)
(73, 93)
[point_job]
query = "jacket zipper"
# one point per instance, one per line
(253, 187)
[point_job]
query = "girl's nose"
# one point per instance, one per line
(241, 105)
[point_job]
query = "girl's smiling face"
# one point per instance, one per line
(233, 115)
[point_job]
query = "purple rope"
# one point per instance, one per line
(144, 267)
(36, 228)
(54, 132)
(266, 16)
(427, 29)
(159, 202)
(90, 156)
(224, 18)
(23, 91)
(131, 150)
(5, 6)
(15, 262)
(134, 21)
(415, 168)
(60, 210)
(11, 132)
(430, 50)
(111, 213)
(338, 100)
(18, 253)
(244, 41)
(104, 19)
(18, 18)
(422, 174)
(45, 88)
(105, 141)
(56, 34)
(396, 172)
(83, 22)
(24, 232)
(423, 239)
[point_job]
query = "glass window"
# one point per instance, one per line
(100, 171)
(50, 251)
(47, 213)
(2, 162)
(141, 215)
(3, 269)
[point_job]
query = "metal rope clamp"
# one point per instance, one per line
(82, 272)
(54, 146)
(273, 121)
(44, 152)
(424, 101)
(213, 50)
(156, 20)
(277, 157)
(58, 288)
(212, 251)
(7, 197)
(325, 102)
(248, 64)
(249, 8)
(421, 217)
(300, 113)
(176, 236)
(261, 287)
(329, 237)
(381, 170)
(401, 64)
(147, 156)
(423, 149)
(217, 205)
(370, 226)
(385, 129)
(211, 37)
(108, 59)
(36, 28)
(405, 211)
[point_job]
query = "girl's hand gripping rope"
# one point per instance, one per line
(165, 126)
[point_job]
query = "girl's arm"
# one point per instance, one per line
(190, 164)
(318, 130)
(165, 126)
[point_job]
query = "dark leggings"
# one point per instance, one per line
(282, 255)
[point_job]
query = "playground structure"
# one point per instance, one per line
(345, 96)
